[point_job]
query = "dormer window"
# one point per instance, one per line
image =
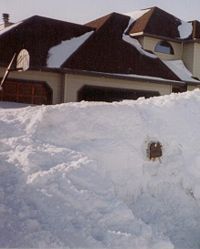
(164, 47)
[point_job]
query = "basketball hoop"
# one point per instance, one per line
(7, 72)
(23, 61)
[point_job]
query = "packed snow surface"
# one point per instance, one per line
(77, 175)
(58, 54)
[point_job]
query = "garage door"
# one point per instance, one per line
(109, 94)
(26, 92)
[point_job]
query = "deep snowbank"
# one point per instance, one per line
(77, 175)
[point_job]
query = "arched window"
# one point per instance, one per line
(164, 47)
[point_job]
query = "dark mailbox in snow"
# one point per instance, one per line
(154, 150)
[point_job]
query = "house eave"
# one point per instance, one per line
(143, 34)
(140, 78)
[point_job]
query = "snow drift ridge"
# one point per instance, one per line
(77, 175)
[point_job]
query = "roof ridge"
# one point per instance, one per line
(150, 13)
(51, 19)
(137, 22)
(99, 22)
(157, 22)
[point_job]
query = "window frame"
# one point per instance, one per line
(164, 47)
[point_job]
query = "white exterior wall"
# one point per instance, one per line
(192, 87)
(149, 43)
(196, 67)
(191, 58)
(54, 80)
(188, 56)
(73, 83)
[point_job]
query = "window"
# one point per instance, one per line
(164, 47)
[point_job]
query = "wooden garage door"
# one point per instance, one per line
(26, 92)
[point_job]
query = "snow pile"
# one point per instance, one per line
(185, 29)
(58, 54)
(77, 175)
(178, 67)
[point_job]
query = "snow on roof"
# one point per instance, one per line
(9, 28)
(138, 46)
(178, 67)
(58, 54)
(185, 29)
(146, 77)
(137, 14)
(134, 16)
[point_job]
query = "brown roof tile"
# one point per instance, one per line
(106, 51)
(140, 24)
(157, 22)
(97, 23)
(37, 34)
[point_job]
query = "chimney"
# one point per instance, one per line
(6, 19)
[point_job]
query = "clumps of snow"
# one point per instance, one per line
(178, 67)
(77, 175)
(58, 54)
(185, 29)
(54, 196)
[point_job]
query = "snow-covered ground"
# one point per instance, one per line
(77, 175)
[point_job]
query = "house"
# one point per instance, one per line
(141, 54)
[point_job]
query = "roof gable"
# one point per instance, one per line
(37, 34)
(97, 23)
(140, 24)
(107, 51)
(108, 48)
(160, 23)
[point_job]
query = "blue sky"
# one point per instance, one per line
(82, 11)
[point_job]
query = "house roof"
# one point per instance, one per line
(103, 45)
(37, 34)
(107, 51)
(161, 23)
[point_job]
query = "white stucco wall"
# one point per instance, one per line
(73, 83)
(188, 56)
(149, 43)
(193, 87)
(196, 67)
